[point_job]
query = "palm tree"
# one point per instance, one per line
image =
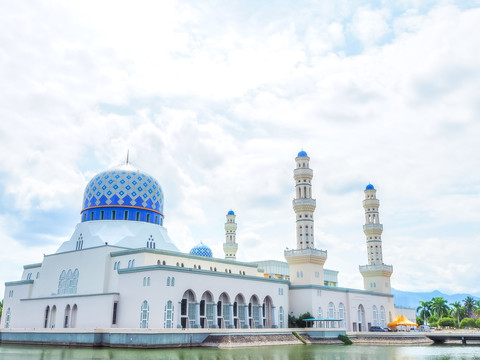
(425, 307)
(457, 309)
(439, 306)
(469, 304)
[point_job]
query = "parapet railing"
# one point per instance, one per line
(296, 252)
(376, 267)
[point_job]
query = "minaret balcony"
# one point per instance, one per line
(380, 268)
(304, 202)
(303, 173)
(305, 252)
(372, 226)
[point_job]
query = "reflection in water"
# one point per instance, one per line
(295, 352)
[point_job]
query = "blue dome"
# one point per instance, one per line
(123, 193)
(231, 212)
(369, 187)
(302, 153)
(201, 250)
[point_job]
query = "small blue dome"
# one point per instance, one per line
(201, 250)
(369, 187)
(302, 153)
(231, 212)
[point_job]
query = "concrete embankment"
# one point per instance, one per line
(395, 338)
(165, 338)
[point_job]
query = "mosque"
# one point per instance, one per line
(120, 269)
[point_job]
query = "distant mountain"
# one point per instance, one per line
(412, 299)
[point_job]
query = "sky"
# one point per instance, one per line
(216, 98)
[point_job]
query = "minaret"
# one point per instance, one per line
(305, 262)
(230, 246)
(376, 275)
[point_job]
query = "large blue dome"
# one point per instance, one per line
(201, 250)
(231, 212)
(123, 193)
(302, 153)
(369, 187)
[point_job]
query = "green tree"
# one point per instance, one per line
(440, 307)
(425, 310)
(458, 311)
(301, 319)
(446, 322)
(469, 304)
(420, 321)
(477, 323)
(467, 322)
(1, 308)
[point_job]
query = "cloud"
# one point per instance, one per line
(216, 102)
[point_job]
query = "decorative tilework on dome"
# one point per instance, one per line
(119, 187)
(201, 250)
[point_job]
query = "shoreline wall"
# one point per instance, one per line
(149, 338)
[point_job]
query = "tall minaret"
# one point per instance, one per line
(230, 246)
(305, 262)
(303, 204)
(376, 275)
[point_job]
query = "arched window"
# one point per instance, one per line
(74, 282)
(320, 316)
(164, 263)
(375, 316)
(158, 262)
(168, 316)
(62, 283)
(168, 281)
(47, 312)
(144, 310)
(383, 322)
(133, 263)
(331, 314)
(280, 317)
(129, 264)
(7, 319)
(173, 281)
(148, 281)
(341, 314)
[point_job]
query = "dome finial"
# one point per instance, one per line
(128, 151)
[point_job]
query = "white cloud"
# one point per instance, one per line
(217, 110)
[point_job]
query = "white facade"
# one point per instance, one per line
(121, 270)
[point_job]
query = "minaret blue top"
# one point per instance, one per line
(302, 153)
(231, 212)
(369, 187)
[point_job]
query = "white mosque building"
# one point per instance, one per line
(120, 269)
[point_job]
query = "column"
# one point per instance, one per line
(246, 325)
(230, 311)
(215, 316)
(197, 315)
(260, 317)
(179, 315)
(274, 317)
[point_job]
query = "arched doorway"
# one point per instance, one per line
(240, 312)
(66, 317)
(206, 310)
(224, 311)
(73, 318)
(254, 310)
(47, 313)
(267, 312)
(188, 309)
(361, 318)
(53, 315)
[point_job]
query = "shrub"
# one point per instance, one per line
(420, 321)
(446, 322)
(433, 324)
(345, 339)
(468, 323)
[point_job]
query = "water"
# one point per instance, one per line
(295, 352)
